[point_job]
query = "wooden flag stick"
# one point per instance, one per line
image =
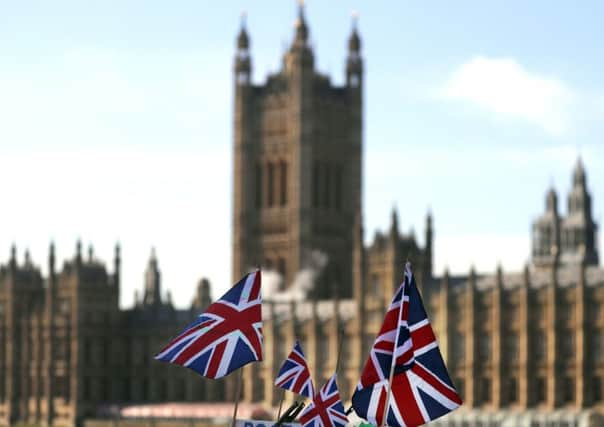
(281, 403)
(393, 363)
(237, 393)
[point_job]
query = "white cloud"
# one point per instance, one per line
(505, 87)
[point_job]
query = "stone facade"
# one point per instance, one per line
(298, 148)
(66, 347)
(530, 342)
(532, 339)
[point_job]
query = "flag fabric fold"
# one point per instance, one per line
(326, 408)
(295, 375)
(227, 336)
(421, 389)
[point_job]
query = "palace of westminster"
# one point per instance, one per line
(531, 341)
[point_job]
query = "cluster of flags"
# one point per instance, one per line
(404, 382)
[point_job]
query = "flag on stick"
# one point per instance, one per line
(224, 338)
(295, 375)
(420, 390)
(326, 409)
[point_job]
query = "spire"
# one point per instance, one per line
(579, 199)
(117, 257)
(354, 41)
(243, 63)
(90, 252)
(579, 174)
(527, 275)
(429, 229)
(13, 255)
(204, 295)
(551, 201)
(445, 279)
(301, 38)
(27, 258)
(117, 261)
(299, 57)
(428, 246)
(243, 40)
(78, 254)
(499, 275)
(472, 276)
(51, 258)
(152, 294)
(394, 222)
(354, 63)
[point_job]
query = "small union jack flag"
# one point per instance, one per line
(421, 389)
(295, 375)
(226, 337)
(326, 409)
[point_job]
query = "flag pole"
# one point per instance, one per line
(393, 363)
(237, 393)
(281, 403)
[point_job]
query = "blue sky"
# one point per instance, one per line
(115, 122)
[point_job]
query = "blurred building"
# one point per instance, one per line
(66, 347)
(531, 340)
(298, 155)
(529, 343)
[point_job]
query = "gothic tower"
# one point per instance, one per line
(546, 232)
(152, 296)
(571, 239)
(297, 165)
(578, 234)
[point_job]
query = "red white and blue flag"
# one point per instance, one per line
(295, 375)
(224, 338)
(421, 389)
(326, 408)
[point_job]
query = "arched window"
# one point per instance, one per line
(283, 184)
(271, 184)
(281, 266)
(338, 188)
(258, 185)
(327, 187)
(316, 184)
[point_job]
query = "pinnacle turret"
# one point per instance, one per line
(301, 37)
(354, 63)
(354, 41)
(579, 177)
(152, 294)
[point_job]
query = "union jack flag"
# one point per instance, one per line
(295, 375)
(326, 409)
(227, 336)
(421, 389)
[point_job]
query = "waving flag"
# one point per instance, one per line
(295, 375)
(421, 390)
(227, 336)
(326, 409)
